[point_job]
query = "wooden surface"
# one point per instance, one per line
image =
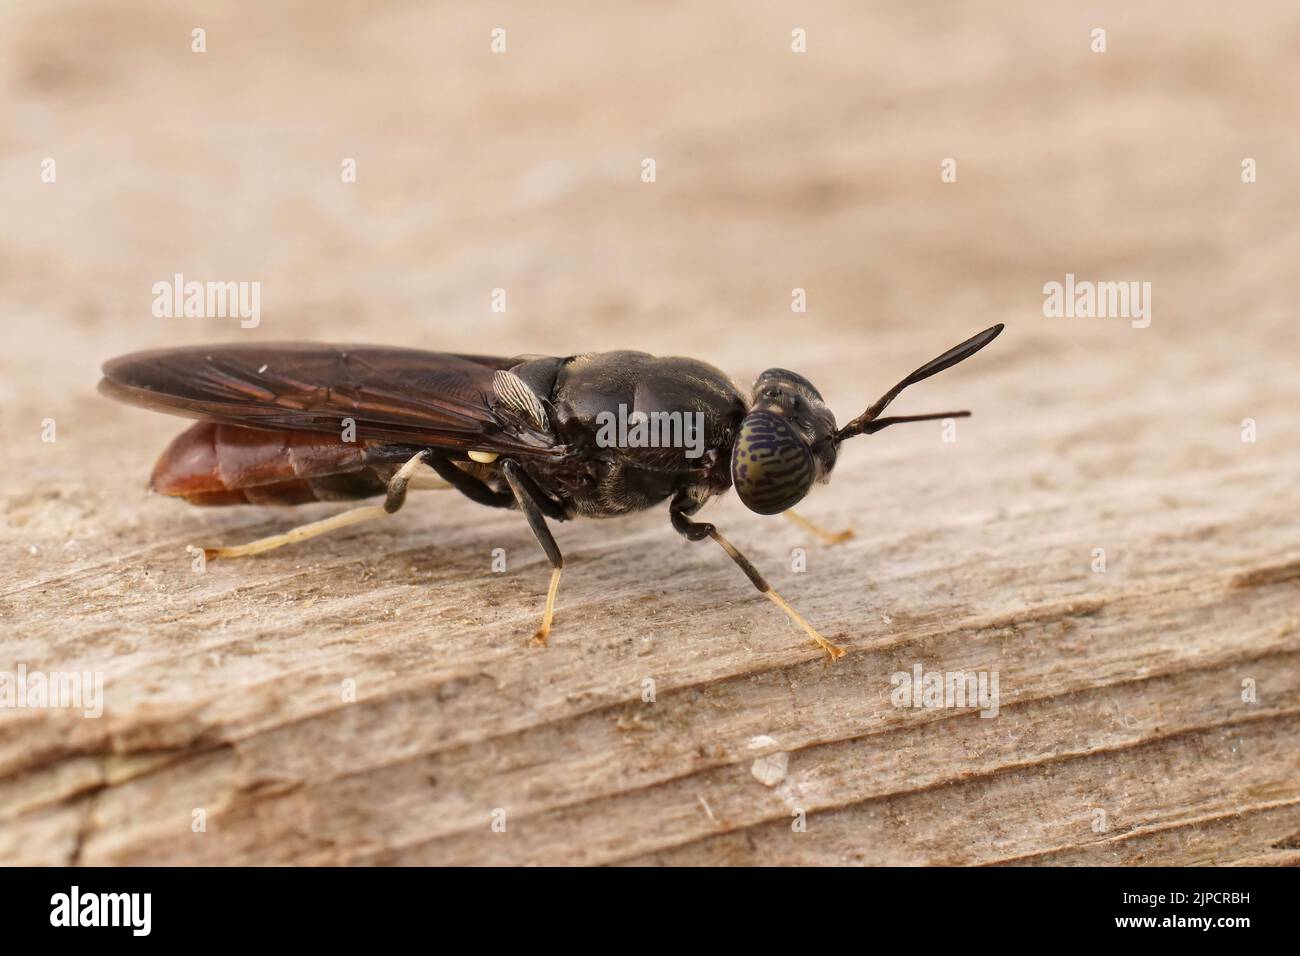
(1121, 692)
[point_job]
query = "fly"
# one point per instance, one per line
(293, 422)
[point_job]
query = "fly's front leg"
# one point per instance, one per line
(817, 531)
(393, 501)
(529, 497)
(679, 510)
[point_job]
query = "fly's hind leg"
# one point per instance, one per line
(679, 512)
(396, 497)
(528, 495)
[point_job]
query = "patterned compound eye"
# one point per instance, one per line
(771, 466)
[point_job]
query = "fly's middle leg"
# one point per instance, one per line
(528, 494)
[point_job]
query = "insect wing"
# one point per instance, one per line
(391, 394)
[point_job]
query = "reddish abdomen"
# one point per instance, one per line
(211, 464)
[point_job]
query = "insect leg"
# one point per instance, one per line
(699, 530)
(555, 510)
(467, 484)
(827, 537)
(396, 497)
(525, 491)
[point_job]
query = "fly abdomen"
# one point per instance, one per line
(214, 464)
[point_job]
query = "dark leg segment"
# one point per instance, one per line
(467, 484)
(549, 507)
(520, 484)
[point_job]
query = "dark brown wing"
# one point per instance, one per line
(392, 394)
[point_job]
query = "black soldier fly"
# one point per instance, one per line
(292, 423)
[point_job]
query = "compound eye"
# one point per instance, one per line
(771, 466)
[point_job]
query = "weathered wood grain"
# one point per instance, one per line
(1122, 735)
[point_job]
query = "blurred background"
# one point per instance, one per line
(522, 170)
(775, 170)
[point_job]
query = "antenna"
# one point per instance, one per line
(867, 422)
